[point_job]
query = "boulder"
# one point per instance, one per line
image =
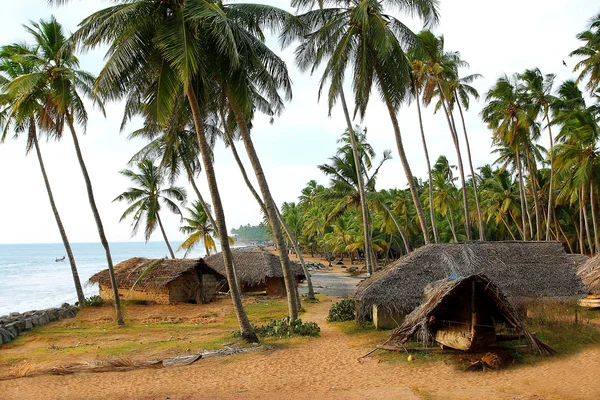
(28, 324)
(6, 336)
(13, 329)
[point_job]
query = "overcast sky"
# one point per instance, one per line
(494, 36)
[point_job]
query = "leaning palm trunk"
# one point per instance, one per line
(404, 240)
(586, 222)
(436, 235)
(361, 187)
(188, 169)
(288, 277)
(61, 229)
(162, 229)
(311, 291)
(550, 206)
(409, 176)
(594, 218)
(246, 330)
(580, 231)
(451, 225)
(473, 180)
(90, 192)
(459, 160)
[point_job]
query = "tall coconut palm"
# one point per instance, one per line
(506, 116)
(199, 230)
(538, 91)
(161, 38)
(59, 70)
(590, 65)
(145, 200)
(360, 36)
(22, 114)
(442, 67)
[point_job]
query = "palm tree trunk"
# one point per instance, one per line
(550, 206)
(521, 194)
(586, 222)
(451, 225)
(536, 199)
(460, 163)
(247, 332)
(199, 195)
(289, 278)
(521, 231)
(361, 187)
(508, 227)
(404, 240)
(581, 241)
(473, 180)
(436, 234)
(162, 230)
(594, 218)
(61, 228)
(409, 176)
(90, 192)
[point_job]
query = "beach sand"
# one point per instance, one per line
(325, 367)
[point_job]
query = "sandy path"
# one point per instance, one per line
(326, 367)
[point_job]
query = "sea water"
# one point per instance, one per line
(31, 279)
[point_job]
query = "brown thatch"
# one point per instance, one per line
(429, 316)
(589, 272)
(155, 274)
(520, 269)
(252, 265)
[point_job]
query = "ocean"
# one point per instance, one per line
(31, 279)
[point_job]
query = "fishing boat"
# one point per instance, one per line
(60, 259)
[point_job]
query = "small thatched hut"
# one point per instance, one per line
(162, 281)
(589, 272)
(464, 314)
(523, 270)
(258, 270)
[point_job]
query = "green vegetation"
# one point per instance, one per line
(93, 301)
(344, 310)
(286, 328)
(253, 233)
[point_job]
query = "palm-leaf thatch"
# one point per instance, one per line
(425, 319)
(521, 269)
(589, 272)
(252, 265)
(149, 274)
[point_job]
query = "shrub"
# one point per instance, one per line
(93, 301)
(342, 311)
(285, 328)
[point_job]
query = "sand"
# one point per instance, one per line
(325, 368)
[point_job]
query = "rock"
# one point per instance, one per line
(13, 329)
(20, 325)
(36, 320)
(15, 314)
(6, 336)
(28, 324)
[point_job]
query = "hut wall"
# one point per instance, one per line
(210, 286)
(155, 296)
(383, 319)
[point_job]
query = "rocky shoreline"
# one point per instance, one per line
(14, 324)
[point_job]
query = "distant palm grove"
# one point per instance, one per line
(199, 71)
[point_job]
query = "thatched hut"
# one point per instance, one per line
(589, 272)
(162, 281)
(258, 270)
(523, 270)
(464, 314)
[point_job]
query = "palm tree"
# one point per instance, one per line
(22, 114)
(145, 200)
(358, 35)
(442, 67)
(506, 116)
(538, 90)
(590, 65)
(157, 44)
(59, 70)
(199, 230)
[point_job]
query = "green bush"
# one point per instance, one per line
(342, 311)
(285, 328)
(93, 301)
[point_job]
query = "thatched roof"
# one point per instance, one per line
(589, 272)
(156, 274)
(252, 265)
(520, 269)
(422, 320)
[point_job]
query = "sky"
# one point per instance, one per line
(495, 37)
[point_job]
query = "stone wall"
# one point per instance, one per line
(14, 324)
